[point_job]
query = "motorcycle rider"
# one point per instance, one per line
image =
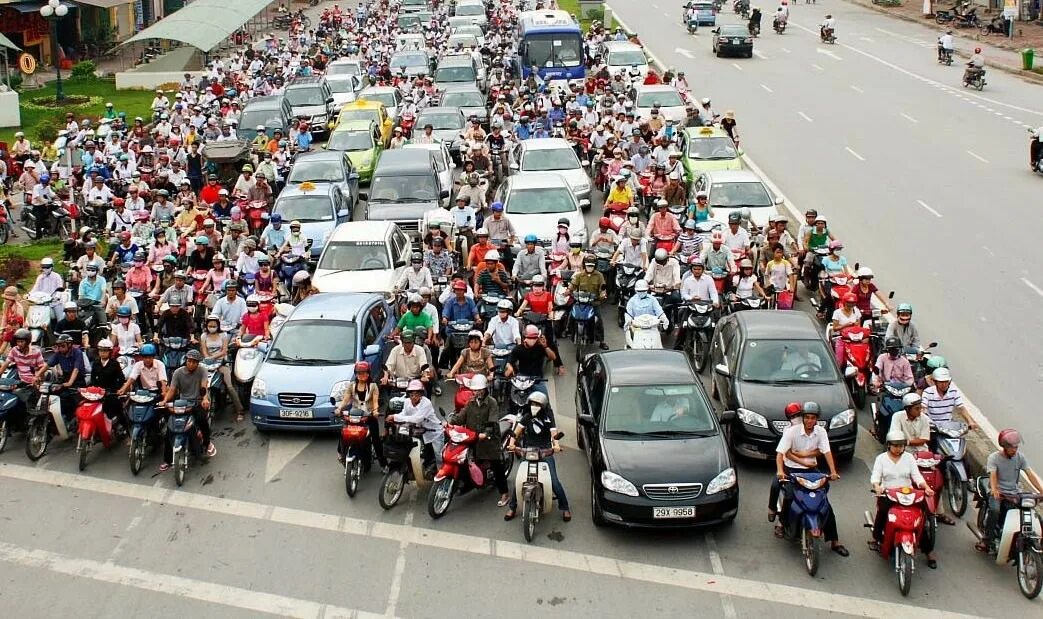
(633, 251)
(1004, 468)
(475, 359)
(92, 287)
(896, 468)
(591, 281)
(362, 396)
(273, 236)
(480, 415)
(189, 383)
(799, 449)
(230, 308)
(531, 261)
(107, 374)
(662, 224)
(754, 24)
(503, 330)
(417, 276)
(407, 360)
(736, 237)
(419, 410)
(643, 303)
(536, 428)
(717, 256)
(903, 328)
(975, 66)
(946, 45)
(27, 360)
(527, 358)
(794, 414)
(892, 365)
(48, 282)
(491, 276)
(781, 16)
(174, 322)
(604, 238)
(915, 426)
(72, 372)
(664, 273)
(72, 325)
(125, 331)
(827, 27)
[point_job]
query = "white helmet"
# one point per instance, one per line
(896, 436)
(300, 277)
(941, 375)
(641, 286)
(911, 399)
(660, 254)
(505, 304)
(492, 254)
(478, 381)
(864, 272)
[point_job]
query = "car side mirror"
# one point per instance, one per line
(584, 204)
(779, 201)
(329, 101)
(399, 264)
(728, 416)
(514, 167)
(443, 194)
(586, 419)
(263, 347)
(364, 196)
(343, 212)
(353, 175)
(585, 163)
(722, 370)
(371, 351)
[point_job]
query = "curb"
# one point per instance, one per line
(981, 442)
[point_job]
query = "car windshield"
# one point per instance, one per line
(455, 74)
(350, 140)
(469, 29)
(712, 148)
(627, 58)
(343, 85)
(355, 256)
(409, 59)
(464, 40)
(441, 121)
(387, 98)
(304, 96)
(314, 342)
(739, 194)
(252, 118)
(787, 361)
(464, 99)
(543, 160)
(662, 98)
(553, 50)
(657, 409)
(356, 114)
(317, 171)
(305, 208)
(470, 9)
(408, 21)
(403, 189)
(539, 201)
(346, 68)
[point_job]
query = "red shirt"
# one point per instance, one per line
(540, 303)
(865, 299)
(209, 193)
(253, 323)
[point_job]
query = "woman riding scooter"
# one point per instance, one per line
(896, 468)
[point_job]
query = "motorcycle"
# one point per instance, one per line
(976, 79)
(88, 311)
(807, 493)
(464, 393)
(698, 325)
(582, 317)
(643, 333)
(402, 447)
(456, 333)
(92, 423)
(13, 414)
(174, 351)
(146, 431)
(928, 463)
(692, 24)
(406, 123)
(247, 363)
(952, 447)
(742, 8)
(839, 284)
(185, 435)
(859, 368)
(216, 388)
(603, 265)
(358, 450)
(890, 403)
(945, 56)
(626, 276)
(256, 215)
(779, 25)
(534, 480)
(812, 267)
(901, 539)
(290, 263)
(487, 305)
(280, 312)
(827, 36)
(46, 421)
(1017, 535)
(460, 472)
(38, 317)
(4, 216)
(57, 221)
(521, 387)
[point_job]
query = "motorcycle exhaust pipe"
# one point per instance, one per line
(869, 520)
(974, 531)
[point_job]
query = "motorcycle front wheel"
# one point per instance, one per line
(904, 570)
(811, 546)
(530, 517)
(137, 455)
(82, 448)
(858, 393)
(36, 438)
(700, 352)
(1030, 572)
(391, 488)
(180, 466)
(3, 435)
(439, 498)
(956, 494)
(352, 473)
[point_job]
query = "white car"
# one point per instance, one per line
(667, 98)
(535, 202)
(344, 88)
(622, 56)
(444, 164)
(362, 256)
(538, 155)
(734, 190)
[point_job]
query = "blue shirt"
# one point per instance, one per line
(637, 306)
(94, 291)
(453, 310)
(69, 362)
(304, 140)
(522, 131)
(271, 237)
(834, 266)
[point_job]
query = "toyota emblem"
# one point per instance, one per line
(672, 489)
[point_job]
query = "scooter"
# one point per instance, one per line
(46, 421)
(929, 465)
(456, 333)
(464, 393)
(533, 478)
(1017, 536)
(216, 388)
(146, 432)
(93, 424)
(12, 410)
(643, 333)
(826, 36)
(500, 385)
(174, 351)
(402, 448)
(582, 317)
(698, 325)
(808, 510)
(626, 276)
(858, 370)
(186, 437)
(247, 363)
(459, 472)
(890, 403)
(359, 452)
(38, 316)
(812, 267)
(778, 25)
(905, 524)
(952, 447)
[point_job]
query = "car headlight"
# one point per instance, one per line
(259, 389)
(338, 389)
(615, 483)
(842, 419)
(319, 119)
(724, 480)
(751, 418)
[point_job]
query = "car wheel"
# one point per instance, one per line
(595, 510)
(717, 53)
(580, 441)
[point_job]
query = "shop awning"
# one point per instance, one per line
(6, 42)
(104, 4)
(203, 24)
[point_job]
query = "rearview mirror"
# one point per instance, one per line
(779, 201)
(722, 370)
(443, 194)
(371, 351)
(514, 167)
(584, 204)
(364, 196)
(728, 416)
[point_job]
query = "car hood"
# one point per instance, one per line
(358, 158)
(341, 99)
(677, 113)
(316, 232)
(576, 178)
(480, 112)
(769, 400)
(679, 460)
(448, 136)
(354, 281)
(317, 379)
(759, 214)
(544, 225)
(380, 211)
(309, 110)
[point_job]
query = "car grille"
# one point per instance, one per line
(780, 426)
(409, 225)
(297, 400)
(672, 492)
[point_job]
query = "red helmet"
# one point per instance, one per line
(1009, 438)
(459, 285)
(604, 222)
(850, 298)
(118, 202)
(532, 331)
(361, 366)
(977, 50)
(124, 236)
(793, 409)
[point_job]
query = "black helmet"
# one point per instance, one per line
(64, 338)
(892, 342)
(734, 217)
(564, 221)
(589, 260)
(811, 408)
(22, 334)
(416, 257)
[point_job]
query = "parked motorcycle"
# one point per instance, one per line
(146, 431)
(901, 539)
(1017, 535)
(890, 403)
(807, 493)
(536, 495)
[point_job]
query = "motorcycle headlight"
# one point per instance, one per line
(1028, 502)
(724, 480)
(751, 418)
(338, 389)
(812, 485)
(615, 483)
(259, 389)
(842, 419)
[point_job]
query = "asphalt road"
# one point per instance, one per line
(924, 181)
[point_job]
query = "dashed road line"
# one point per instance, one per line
(929, 209)
(1032, 286)
(977, 156)
(857, 89)
(805, 116)
(908, 117)
(815, 66)
(854, 154)
(766, 88)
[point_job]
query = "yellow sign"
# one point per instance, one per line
(27, 63)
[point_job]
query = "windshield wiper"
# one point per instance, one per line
(681, 433)
(301, 361)
(625, 432)
(802, 381)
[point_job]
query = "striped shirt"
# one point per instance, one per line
(691, 244)
(940, 406)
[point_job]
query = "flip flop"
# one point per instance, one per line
(840, 550)
(874, 545)
(509, 516)
(933, 564)
(771, 516)
(778, 531)
(981, 547)
(566, 516)
(944, 519)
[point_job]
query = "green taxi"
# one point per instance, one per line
(708, 149)
(361, 140)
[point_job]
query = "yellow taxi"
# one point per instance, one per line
(708, 149)
(364, 109)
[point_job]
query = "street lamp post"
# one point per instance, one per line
(52, 12)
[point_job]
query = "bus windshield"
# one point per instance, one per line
(552, 50)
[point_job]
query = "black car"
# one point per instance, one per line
(732, 40)
(656, 452)
(763, 360)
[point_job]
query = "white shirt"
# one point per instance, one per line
(795, 438)
(946, 41)
(701, 288)
(505, 333)
(890, 474)
(423, 414)
(846, 320)
(740, 239)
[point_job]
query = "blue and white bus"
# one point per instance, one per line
(551, 41)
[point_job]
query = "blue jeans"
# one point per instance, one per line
(555, 484)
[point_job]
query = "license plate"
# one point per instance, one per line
(295, 413)
(662, 513)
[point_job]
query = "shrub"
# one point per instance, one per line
(13, 269)
(84, 70)
(47, 130)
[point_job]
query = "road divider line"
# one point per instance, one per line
(766, 88)
(177, 586)
(596, 565)
(857, 89)
(929, 209)
(718, 568)
(977, 156)
(736, 65)
(400, 563)
(908, 117)
(785, 50)
(805, 116)
(854, 154)
(1034, 287)
(816, 67)
(760, 55)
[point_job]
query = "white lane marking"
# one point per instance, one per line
(908, 117)
(785, 50)
(1007, 118)
(120, 545)
(759, 55)
(866, 39)
(1032, 286)
(456, 542)
(177, 586)
(857, 89)
(929, 209)
(281, 451)
(978, 157)
(805, 116)
(736, 65)
(400, 563)
(666, 15)
(718, 568)
(766, 88)
(829, 53)
(854, 154)
(684, 52)
(815, 66)
(991, 253)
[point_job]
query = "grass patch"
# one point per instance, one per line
(572, 6)
(33, 252)
(133, 102)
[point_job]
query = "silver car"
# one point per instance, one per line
(540, 155)
(536, 201)
(733, 190)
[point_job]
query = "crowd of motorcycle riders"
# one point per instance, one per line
(160, 249)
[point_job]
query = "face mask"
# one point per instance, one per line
(535, 408)
(212, 329)
(893, 354)
(574, 250)
(642, 295)
(252, 309)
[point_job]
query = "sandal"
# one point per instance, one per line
(874, 545)
(509, 516)
(981, 547)
(239, 417)
(932, 563)
(840, 550)
(945, 519)
(778, 531)
(566, 515)
(503, 502)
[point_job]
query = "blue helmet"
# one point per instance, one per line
(496, 206)
(148, 350)
(531, 238)
(123, 311)
(45, 178)
(276, 218)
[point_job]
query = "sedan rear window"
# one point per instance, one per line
(355, 256)
(545, 160)
(314, 342)
(662, 98)
(735, 195)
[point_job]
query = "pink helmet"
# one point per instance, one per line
(835, 244)
(532, 331)
(236, 214)
(141, 215)
(415, 385)
(717, 237)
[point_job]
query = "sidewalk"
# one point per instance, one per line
(1001, 52)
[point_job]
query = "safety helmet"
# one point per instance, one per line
(64, 338)
(505, 304)
(479, 381)
(203, 240)
(689, 224)
(911, 399)
(941, 375)
(492, 254)
(361, 366)
(793, 409)
(835, 244)
(537, 280)
(47, 263)
(414, 386)
(892, 343)
(105, 344)
(416, 257)
(810, 408)
(22, 334)
(641, 286)
(850, 298)
(538, 397)
(300, 277)
(496, 207)
(481, 232)
(532, 331)
(864, 272)
(123, 311)
(148, 350)
(1009, 438)
(276, 218)
(124, 236)
(896, 437)
(531, 238)
(213, 318)
(70, 306)
(745, 263)
(407, 334)
(695, 261)
(264, 259)
(717, 237)
(905, 308)
(604, 222)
